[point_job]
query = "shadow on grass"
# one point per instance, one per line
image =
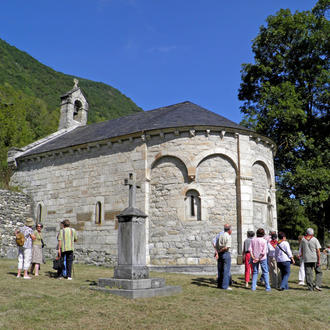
(212, 282)
(91, 283)
(12, 273)
(51, 274)
(203, 281)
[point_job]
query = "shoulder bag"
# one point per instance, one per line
(284, 252)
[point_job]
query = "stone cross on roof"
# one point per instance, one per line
(132, 190)
(75, 83)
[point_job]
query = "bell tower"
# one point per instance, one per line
(74, 108)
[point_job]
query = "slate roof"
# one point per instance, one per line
(177, 115)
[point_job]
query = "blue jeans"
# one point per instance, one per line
(285, 272)
(265, 274)
(64, 266)
(224, 263)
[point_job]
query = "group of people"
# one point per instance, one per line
(30, 251)
(30, 243)
(271, 252)
(274, 256)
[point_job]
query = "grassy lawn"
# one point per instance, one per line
(49, 303)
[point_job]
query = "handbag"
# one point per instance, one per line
(58, 263)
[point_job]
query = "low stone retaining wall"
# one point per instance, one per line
(14, 209)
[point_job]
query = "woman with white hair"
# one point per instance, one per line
(310, 252)
(25, 251)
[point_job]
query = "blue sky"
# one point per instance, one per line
(157, 52)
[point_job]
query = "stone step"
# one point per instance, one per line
(142, 293)
(127, 284)
(194, 269)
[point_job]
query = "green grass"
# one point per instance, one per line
(49, 303)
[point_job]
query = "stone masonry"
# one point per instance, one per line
(68, 185)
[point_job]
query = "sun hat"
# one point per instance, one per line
(29, 222)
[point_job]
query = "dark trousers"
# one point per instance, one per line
(310, 267)
(69, 261)
(224, 263)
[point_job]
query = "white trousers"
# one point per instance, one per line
(24, 258)
(301, 275)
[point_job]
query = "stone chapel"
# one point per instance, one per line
(197, 171)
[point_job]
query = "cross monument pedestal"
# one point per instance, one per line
(131, 275)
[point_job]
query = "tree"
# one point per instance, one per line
(286, 94)
(23, 119)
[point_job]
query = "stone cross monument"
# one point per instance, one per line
(131, 275)
(131, 239)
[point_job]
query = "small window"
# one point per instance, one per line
(193, 205)
(98, 213)
(77, 111)
(39, 213)
(270, 212)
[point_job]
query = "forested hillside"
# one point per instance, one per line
(30, 98)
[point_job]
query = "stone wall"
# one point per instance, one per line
(14, 209)
(175, 238)
(70, 184)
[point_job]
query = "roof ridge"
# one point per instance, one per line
(181, 114)
(168, 106)
(144, 112)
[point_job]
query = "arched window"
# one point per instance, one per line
(39, 213)
(77, 113)
(98, 213)
(193, 205)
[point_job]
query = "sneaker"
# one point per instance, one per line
(267, 290)
(70, 278)
(230, 289)
(318, 288)
(18, 276)
(246, 284)
(301, 283)
(27, 277)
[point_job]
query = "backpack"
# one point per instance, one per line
(20, 239)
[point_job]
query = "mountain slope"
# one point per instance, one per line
(30, 100)
(26, 74)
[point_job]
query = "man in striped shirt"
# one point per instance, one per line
(66, 240)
